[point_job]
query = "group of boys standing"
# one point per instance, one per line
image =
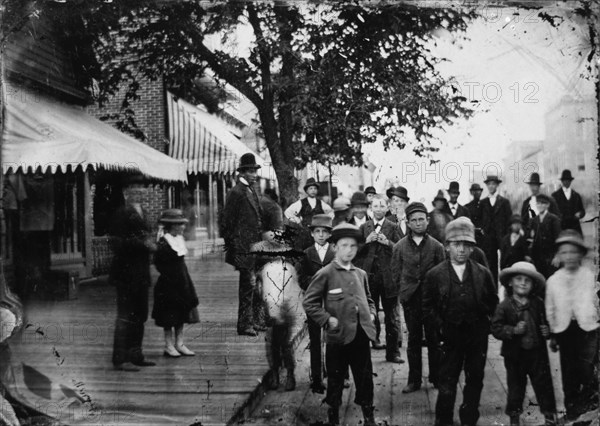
(431, 263)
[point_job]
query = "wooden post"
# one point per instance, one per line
(88, 207)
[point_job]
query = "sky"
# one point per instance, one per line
(518, 67)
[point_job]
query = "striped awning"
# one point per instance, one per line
(203, 142)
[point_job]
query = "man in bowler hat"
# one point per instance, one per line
(398, 197)
(455, 209)
(475, 209)
(496, 222)
(529, 208)
(241, 227)
(130, 274)
(569, 203)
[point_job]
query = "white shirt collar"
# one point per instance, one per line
(323, 247)
(460, 270)
(359, 221)
(567, 192)
(244, 181)
(177, 243)
(312, 201)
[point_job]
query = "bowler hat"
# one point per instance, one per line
(341, 204)
(491, 178)
(248, 161)
(439, 197)
(535, 178)
(521, 268)
(454, 187)
(461, 229)
(415, 207)
(370, 190)
(566, 175)
(320, 221)
(399, 192)
(516, 218)
(475, 187)
(346, 230)
(172, 216)
(310, 182)
(570, 236)
(542, 198)
(359, 198)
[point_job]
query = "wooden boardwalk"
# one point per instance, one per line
(61, 362)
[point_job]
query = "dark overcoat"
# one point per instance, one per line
(311, 264)
(568, 208)
(241, 225)
(495, 220)
(174, 293)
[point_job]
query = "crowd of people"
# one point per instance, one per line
(377, 253)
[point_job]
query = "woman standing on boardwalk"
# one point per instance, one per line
(175, 299)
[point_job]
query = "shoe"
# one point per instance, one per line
(377, 345)
(395, 359)
(126, 366)
(171, 352)
(290, 382)
(333, 416)
(346, 383)
(411, 387)
(144, 363)
(273, 380)
(183, 350)
(317, 387)
(369, 417)
(249, 331)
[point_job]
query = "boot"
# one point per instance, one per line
(179, 346)
(369, 416)
(333, 416)
(515, 420)
(273, 381)
(550, 420)
(290, 381)
(170, 350)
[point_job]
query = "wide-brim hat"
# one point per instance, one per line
(172, 216)
(359, 198)
(535, 179)
(346, 230)
(439, 197)
(566, 175)
(341, 204)
(311, 182)
(370, 190)
(398, 191)
(492, 178)
(461, 229)
(521, 268)
(475, 187)
(454, 187)
(415, 207)
(248, 161)
(542, 198)
(570, 236)
(321, 221)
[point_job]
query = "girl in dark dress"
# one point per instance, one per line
(175, 298)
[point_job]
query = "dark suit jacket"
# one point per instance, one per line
(311, 264)
(335, 291)
(475, 209)
(544, 235)
(436, 292)
(460, 211)
(509, 255)
(495, 220)
(568, 208)
(506, 318)
(394, 219)
(369, 252)
(527, 215)
(241, 225)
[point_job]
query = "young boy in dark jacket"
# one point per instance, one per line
(514, 247)
(520, 322)
(316, 256)
(338, 299)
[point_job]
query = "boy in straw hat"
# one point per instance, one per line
(520, 322)
(316, 257)
(459, 298)
(572, 311)
(338, 299)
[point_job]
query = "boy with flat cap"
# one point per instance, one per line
(338, 299)
(412, 257)
(459, 298)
